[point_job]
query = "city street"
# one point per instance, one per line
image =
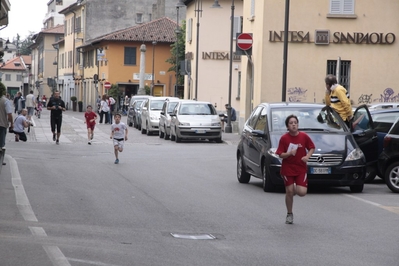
(170, 203)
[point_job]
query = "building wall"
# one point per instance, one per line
(213, 56)
(373, 72)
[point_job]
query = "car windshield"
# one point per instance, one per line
(197, 109)
(310, 118)
(137, 104)
(156, 105)
(171, 107)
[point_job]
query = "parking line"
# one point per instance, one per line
(388, 208)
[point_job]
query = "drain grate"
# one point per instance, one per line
(194, 236)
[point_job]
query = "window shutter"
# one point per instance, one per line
(348, 7)
(335, 7)
(237, 26)
(342, 6)
(190, 30)
(252, 8)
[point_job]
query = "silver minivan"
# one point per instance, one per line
(134, 107)
(165, 118)
(151, 112)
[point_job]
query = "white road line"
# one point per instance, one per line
(91, 262)
(23, 204)
(366, 201)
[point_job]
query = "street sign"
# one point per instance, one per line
(244, 41)
(107, 85)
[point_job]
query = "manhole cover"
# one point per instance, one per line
(194, 236)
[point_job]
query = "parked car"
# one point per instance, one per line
(385, 105)
(165, 118)
(383, 120)
(138, 115)
(195, 120)
(388, 161)
(341, 155)
(133, 107)
(150, 114)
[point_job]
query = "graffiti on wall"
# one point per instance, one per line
(388, 95)
(364, 99)
(296, 94)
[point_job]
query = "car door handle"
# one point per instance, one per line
(362, 134)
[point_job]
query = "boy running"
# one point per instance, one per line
(119, 135)
(90, 121)
(295, 148)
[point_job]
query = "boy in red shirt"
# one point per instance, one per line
(90, 120)
(295, 148)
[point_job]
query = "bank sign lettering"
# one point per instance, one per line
(323, 37)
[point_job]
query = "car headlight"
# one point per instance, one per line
(215, 123)
(184, 124)
(354, 155)
(272, 152)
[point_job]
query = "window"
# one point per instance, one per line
(139, 18)
(342, 7)
(254, 117)
(8, 77)
(58, 2)
(78, 24)
(130, 56)
(252, 15)
(239, 85)
(261, 124)
(19, 77)
(344, 71)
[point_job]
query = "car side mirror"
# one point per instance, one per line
(259, 133)
(144, 108)
(162, 113)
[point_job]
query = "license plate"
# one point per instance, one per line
(200, 131)
(320, 170)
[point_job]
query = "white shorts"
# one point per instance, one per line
(119, 143)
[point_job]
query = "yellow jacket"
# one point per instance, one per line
(338, 99)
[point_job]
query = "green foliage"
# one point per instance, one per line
(23, 44)
(147, 90)
(74, 99)
(181, 50)
(3, 89)
(114, 91)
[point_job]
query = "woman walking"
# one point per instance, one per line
(104, 109)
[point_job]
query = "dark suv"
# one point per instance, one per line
(388, 161)
(341, 155)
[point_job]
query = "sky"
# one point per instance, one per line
(24, 16)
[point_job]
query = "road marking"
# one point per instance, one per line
(91, 262)
(24, 207)
(388, 208)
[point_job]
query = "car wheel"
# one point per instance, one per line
(371, 173)
(218, 140)
(267, 182)
(161, 134)
(166, 136)
(392, 177)
(143, 131)
(356, 188)
(148, 132)
(172, 137)
(242, 175)
(178, 140)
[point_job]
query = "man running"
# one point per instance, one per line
(56, 106)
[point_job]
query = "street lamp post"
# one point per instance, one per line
(57, 47)
(229, 128)
(153, 60)
(178, 6)
(198, 12)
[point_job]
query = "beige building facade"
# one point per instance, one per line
(356, 41)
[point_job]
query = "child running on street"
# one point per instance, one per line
(90, 120)
(118, 135)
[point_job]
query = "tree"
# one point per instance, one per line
(23, 45)
(181, 49)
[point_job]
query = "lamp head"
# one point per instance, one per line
(180, 4)
(216, 4)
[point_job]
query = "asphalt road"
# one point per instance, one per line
(172, 203)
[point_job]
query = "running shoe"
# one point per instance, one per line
(290, 218)
(57, 142)
(53, 137)
(89, 142)
(116, 161)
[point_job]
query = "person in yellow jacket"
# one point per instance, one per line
(338, 98)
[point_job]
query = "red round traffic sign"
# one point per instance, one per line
(107, 85)
(244, 41)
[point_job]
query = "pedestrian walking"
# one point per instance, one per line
(126, 104)
(98, 102)
(57, 106)
(295, 148)
(20, 123)
(6, 118)
(111, 104)
(16, 101)
(118, 135)
(90, 120)
(104, 109)
(30, 104)
(338, 98)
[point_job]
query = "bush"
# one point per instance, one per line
(73, 98)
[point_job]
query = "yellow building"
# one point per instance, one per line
(118, 58)
(355, 40)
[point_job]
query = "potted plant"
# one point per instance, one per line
(80, 105)
(74, 99)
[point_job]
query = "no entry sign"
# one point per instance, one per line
(107, 85)
(244, 41)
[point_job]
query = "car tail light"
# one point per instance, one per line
(386, 141)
